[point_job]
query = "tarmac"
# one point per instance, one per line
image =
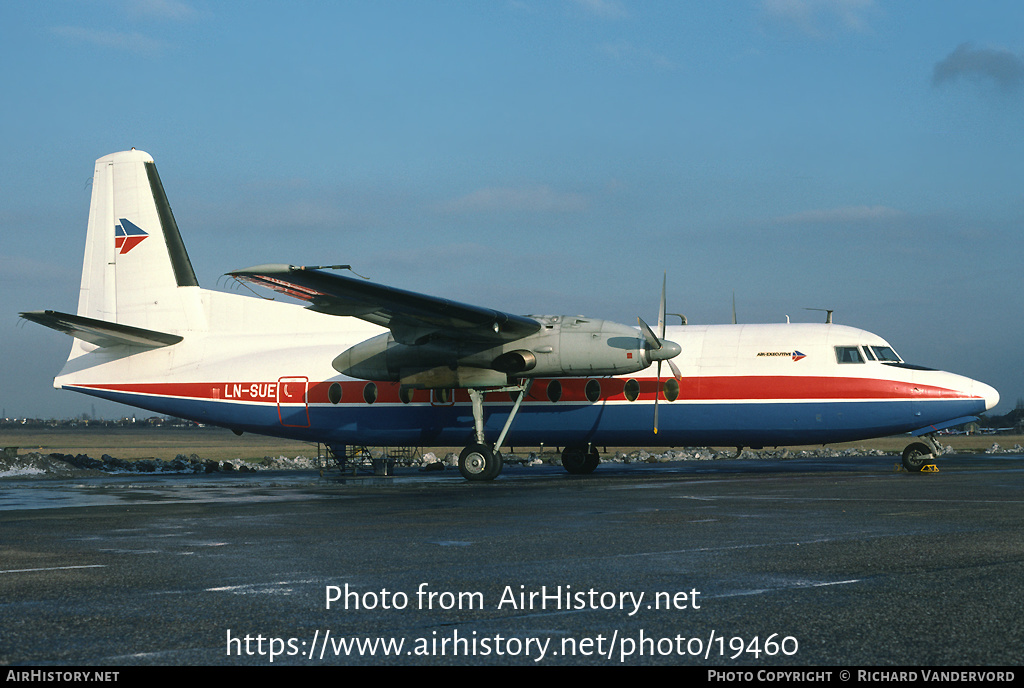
(836, 562)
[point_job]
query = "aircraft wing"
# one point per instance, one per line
(411, 317)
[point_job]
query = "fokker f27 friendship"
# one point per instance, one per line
(366, 364)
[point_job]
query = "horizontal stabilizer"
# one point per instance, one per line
(100, 332)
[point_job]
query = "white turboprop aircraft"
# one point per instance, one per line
(365, 364)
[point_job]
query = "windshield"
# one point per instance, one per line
(885, 353)
(848, 354)
(865, 353)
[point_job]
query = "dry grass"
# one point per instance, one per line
(218, 444)
(962, 444)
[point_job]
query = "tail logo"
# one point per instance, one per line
(127, 236)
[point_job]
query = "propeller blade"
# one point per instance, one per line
(661, 308)
(657, 393)
(658, 349)
(652, 340)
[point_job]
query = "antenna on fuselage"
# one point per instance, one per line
(828, 313)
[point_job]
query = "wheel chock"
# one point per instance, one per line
(927, 468)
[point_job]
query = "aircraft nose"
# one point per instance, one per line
(990, 394)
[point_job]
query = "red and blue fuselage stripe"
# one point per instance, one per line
(723, 411)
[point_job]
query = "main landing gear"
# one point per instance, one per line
(581, 459)
(920, 454)
(480, 461)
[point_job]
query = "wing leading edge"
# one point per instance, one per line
(412, 317)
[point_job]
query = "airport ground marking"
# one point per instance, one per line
(56, 568)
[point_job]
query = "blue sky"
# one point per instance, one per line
(550, 156)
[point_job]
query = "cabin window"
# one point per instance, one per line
(405, 394)
(593, 390)
(554, 391)
(334, 393)
(370, 393)
(671, 389)
(631, 390)
(849, 354)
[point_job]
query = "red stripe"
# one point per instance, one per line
(725, 388)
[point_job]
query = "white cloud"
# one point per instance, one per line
(845, 215)
(534, 199)
(629, 54)
(819, 18)
(161, 9)
(606, 9)
(130, 41)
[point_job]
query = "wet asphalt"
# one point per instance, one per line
(822, 562)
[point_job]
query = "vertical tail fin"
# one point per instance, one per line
(135, 262)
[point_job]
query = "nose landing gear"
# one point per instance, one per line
(918, 456)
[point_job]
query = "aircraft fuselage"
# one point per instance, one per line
(741, 385)
(368, 364)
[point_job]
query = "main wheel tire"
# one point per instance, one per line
(580, 460)
(916, 456)
(478, 462)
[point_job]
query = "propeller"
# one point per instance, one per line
(659, 349)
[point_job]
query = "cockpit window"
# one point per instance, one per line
(849, 354)
(867, 352)
(885, 353)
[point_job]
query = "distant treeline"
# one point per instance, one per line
(1013, 419)
(85, 423)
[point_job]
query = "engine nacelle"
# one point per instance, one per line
(575, 346)
(565, 346)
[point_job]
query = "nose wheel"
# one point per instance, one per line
(916, 456)
(920, 454)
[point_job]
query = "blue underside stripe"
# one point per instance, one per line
(681, 424)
